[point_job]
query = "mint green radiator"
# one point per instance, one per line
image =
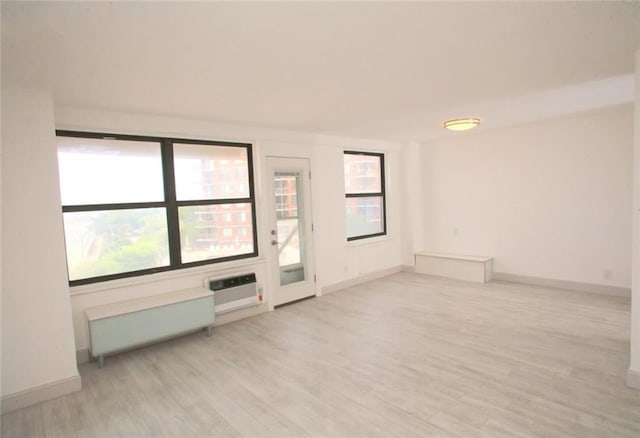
(118, 326)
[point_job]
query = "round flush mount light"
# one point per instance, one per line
(461, 124)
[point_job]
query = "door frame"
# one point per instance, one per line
(273, 263)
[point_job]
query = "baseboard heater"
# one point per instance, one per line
(126, 324)
(233, 293)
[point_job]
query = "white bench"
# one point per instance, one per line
(459, 267)
(118, 326)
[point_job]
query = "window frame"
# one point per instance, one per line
(381, 194)
(170, 203)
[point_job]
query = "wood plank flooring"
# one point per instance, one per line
(406, 355)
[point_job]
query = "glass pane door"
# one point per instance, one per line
(290, 226)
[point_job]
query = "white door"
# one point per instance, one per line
(290, 230)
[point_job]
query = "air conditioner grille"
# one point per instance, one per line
(226, 283)
(234, 292)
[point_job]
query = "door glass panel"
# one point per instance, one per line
(289, 226)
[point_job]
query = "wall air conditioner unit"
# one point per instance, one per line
(233, 293)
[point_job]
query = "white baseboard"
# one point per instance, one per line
(361, 279)
(41, 393)
(633, 379)
(82, 356)
(564, 284)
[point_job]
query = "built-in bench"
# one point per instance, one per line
(122, 325)
(459, 267)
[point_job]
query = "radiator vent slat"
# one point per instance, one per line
(233, 293)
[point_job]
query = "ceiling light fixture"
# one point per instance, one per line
(461, 124)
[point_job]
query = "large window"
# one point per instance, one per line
(364, 193)
(136, 205)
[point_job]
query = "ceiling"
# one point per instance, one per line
(384, 70)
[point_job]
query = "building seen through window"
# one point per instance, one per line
(287, 219)
(364, 194)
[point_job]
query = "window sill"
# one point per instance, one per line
(163, 276)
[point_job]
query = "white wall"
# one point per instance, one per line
(548, 200)
(336, 261)
(634, 366)
(37, 335)
(412, 223)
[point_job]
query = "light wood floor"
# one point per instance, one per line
(407, 355)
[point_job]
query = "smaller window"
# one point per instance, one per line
(364, 194)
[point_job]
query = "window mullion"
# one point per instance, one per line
(365, 195)
(173, 223)
(252, 195)
(383, 178)
(119, 206)
(214, 202)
